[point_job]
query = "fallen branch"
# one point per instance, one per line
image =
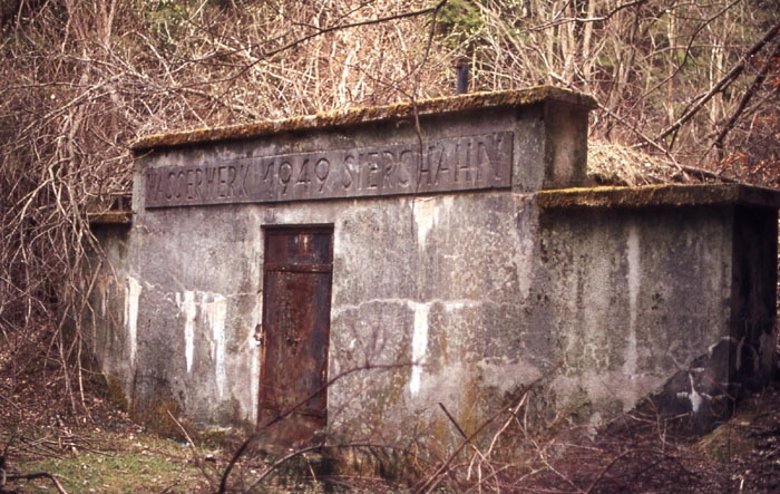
(280, 462)
(433, 481)
(33, 476)
(183, 430)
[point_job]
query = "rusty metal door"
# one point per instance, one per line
(297, 275)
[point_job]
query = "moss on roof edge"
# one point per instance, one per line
(353, 116)
(660, 195)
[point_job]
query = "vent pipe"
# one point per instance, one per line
(462, 76)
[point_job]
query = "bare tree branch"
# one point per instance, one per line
(340, 27)
(565, 20)
(743, 103)
(724, 82)
(687, 52)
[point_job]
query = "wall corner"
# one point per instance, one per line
(566, 145)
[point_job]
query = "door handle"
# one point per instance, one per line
(259, 334)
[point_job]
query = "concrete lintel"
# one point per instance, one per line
(354, 116)
(660, 195)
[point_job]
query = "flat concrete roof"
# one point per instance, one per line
(660, 195)
(355, 116)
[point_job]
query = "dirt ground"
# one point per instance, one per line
(636, 454)
(99, 449)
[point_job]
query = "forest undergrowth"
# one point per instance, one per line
(105, 451)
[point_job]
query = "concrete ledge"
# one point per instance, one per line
(659, 195)
(110, 218)
(356, 116)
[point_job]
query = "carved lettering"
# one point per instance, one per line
(489, 147)
(424, 177)
(232, 174)
(371, 165)
(387, 167)
(347, 177)
(406, 163)
(442, 169)
(463, 162)
(222, 181)
(268, 177)
(321, 171)
(211, 173)
(244, 174)
(198, 183)
(442, 165)
(285, 174)
(152, 185)
(303, 175)
(171, 176)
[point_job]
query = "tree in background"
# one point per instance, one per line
(670, 76)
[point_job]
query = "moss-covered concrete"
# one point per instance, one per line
(674, 195)
(366, 115)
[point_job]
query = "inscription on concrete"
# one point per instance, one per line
(441, 165)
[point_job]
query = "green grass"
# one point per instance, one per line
(135, 463)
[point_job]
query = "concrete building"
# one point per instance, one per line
(362, 267)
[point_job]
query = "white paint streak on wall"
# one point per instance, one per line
(633, 277)
(189, 309)
(449, 305)
(103, 297)
(455, 305)
(525, 239)
(419, 345)
(254, 382)
(695, 397)
(131, 315)
(738, 353)
(426, 216)
(216, 311)
(711, 348)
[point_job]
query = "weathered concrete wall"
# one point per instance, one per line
(458, 299)
(111, 338)
(679, 281)
(753, 296)
(635, 296)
